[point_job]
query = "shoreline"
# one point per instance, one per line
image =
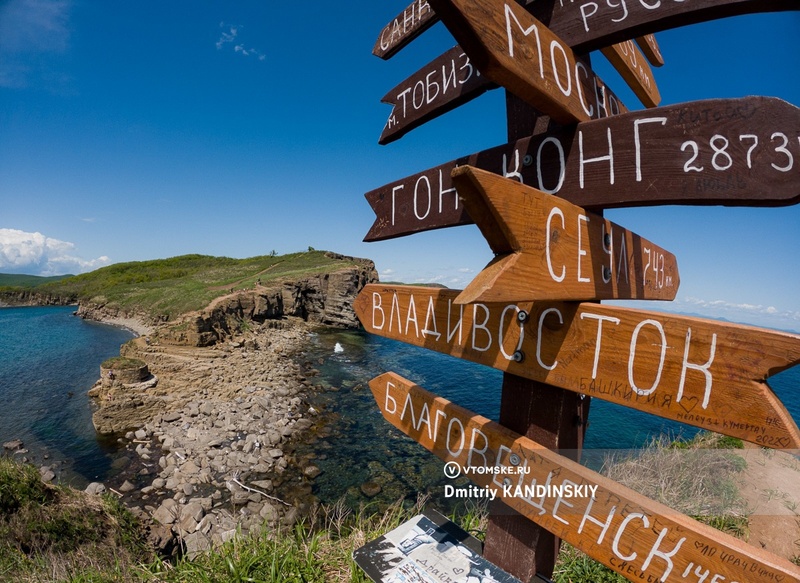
(216, 455)
(133, 325)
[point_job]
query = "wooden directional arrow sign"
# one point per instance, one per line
(549, 249)
(404, 28)
(629, 62)
(584, 27)
(441, 86)
(636, 537)
(513, 49)
(651, 50)
(451, 80)
(702, 372)
(723, 151)
(589, 26)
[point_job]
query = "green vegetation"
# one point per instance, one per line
(122, 362)
(49, 533)
(44, 537)
(14, 280)
(165, 288)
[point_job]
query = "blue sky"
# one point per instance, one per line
(133, 131)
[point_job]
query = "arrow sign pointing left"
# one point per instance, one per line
(550, 249)
(516, 51)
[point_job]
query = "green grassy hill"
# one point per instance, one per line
(177, 285)
(17, 280)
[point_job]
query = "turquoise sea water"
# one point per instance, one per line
(48, 360)
(369, 447)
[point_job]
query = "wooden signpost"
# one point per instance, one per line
(589, 26)
(629, 62)
(701, 372)
(577, 26)
(723, 151)
(522, 313)
(651, 50)
(442, 85)
(549, 249)
(510, 47)
(632, 535)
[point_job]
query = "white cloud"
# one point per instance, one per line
(229, 35)
(723, 305)
(36, 254)
(28, 30)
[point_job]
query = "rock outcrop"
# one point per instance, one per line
(27, 297)
(325, 298)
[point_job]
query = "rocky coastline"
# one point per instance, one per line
(214, 456)
(209, 434)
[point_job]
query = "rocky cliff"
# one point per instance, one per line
(325, 298)
(27, 297)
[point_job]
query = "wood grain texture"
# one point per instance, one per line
(632, 66)
(557, 420)
(702, 372)
(549, 249)
(444, 84)
(404, 28)
(516, 51)
(589, 26)
(732, 152)
(632, 535)
(649, 46)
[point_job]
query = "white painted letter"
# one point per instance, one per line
(584, 161)
(654, 552)
(482, 326)
(632, 356)
(615, 545)
(637, 141)
(559, 278)
(598, 343)
(539, 337)
(701, 367)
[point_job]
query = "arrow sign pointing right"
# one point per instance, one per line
(549, 249)
(513, 49)
(705, 373)
(589, 26)
(629, 533)
(723, 151)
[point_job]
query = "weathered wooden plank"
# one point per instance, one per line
(589, 26)
(723, 151)
(439, 87)
(513, 49)
(702, 372)
(651, 50)
(404, 28)
(549, 249)
(614, 22)
(630, 63)
(452, 80)
(571, 22)
(632, 535)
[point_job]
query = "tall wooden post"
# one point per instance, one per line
(549, 415)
